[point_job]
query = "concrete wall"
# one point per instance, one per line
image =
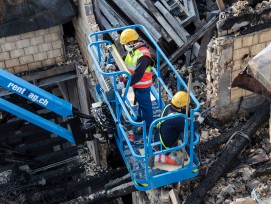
(32, 50)
(226, 57)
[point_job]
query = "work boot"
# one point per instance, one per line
(180, 157)
(164, 159)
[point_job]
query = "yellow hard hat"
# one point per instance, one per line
(179, 100)
(128, 35)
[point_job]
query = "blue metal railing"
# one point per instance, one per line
(190, 137)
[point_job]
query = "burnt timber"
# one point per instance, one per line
(229, 154)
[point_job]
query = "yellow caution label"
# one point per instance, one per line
(195, 170)
(141, 184)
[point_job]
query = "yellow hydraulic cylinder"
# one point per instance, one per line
(118, 59)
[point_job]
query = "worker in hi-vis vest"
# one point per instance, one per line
(139, 63)
(169, 131)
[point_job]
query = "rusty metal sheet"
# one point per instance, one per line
(21, 16)
(260, 67)
(248, 82)
(256, 77)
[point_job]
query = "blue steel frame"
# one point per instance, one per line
(39, 96)
(190, 138)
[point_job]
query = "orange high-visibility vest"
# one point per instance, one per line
(131, 62)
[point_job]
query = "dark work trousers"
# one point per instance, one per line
(143, 97)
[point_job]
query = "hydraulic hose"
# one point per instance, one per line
(80, 114)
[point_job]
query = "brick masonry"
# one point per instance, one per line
(32, 50)
(226, 57)
(85, 24)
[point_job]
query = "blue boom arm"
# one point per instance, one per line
(39, 96)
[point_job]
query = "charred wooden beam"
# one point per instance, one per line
(14, 178)
(4, 117)
(263, 170)
(10, 127)
(230, 154)
(150, 6)
(183, 34)
(179, 52)
(4, 146)
(5, 128)
(45, 144)
(244, 162)
(117, 182)
(106, 195)
(201, 57)
(30, 133)
(108, 19)
(97, 13)
(132, 13)
(55, 70)
(54, 157)
(96, 182)
(15, 139)
(18, 160)
(111, 13)
(59, 173)
(219, 140)
(107, 15)
(114, 35)
(150, 19)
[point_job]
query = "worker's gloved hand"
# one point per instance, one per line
(123, 79)
(198, 117)
(120, 85)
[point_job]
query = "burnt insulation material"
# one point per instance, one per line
(21, 16)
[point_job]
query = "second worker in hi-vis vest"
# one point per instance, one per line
(139, 62)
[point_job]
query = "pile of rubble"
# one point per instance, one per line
(242, 18)
(175, 25)
(242, 180)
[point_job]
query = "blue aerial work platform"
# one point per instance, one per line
(136, 154)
